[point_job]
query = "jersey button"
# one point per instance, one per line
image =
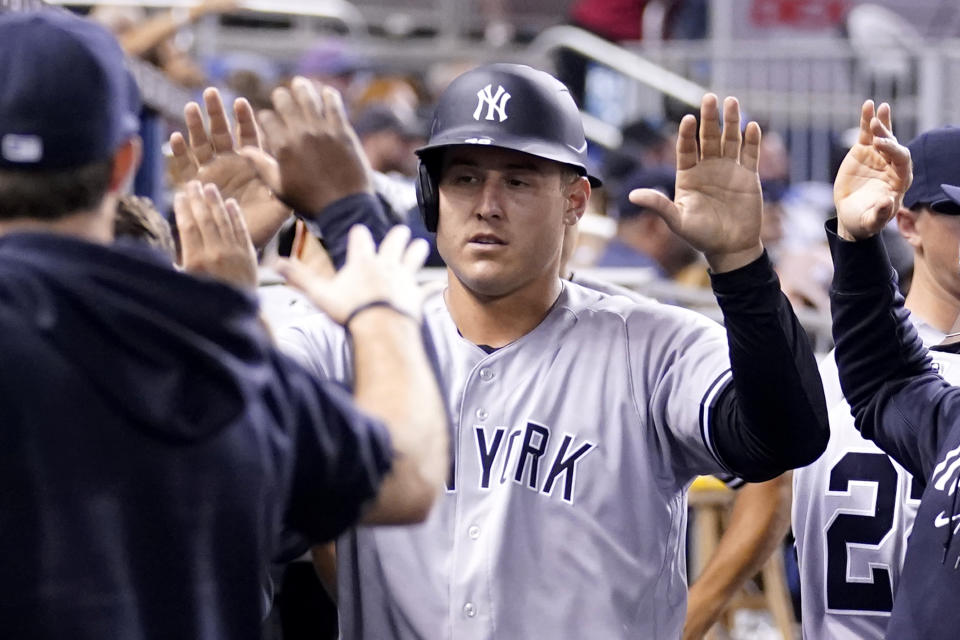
(473, 532)
(469, 610)
(486, 375)
(482, 414)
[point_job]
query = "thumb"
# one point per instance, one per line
(304, 279)
(655, 201)
(265, 166)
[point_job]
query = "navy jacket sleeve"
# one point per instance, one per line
(773, 416)
(897, 399)
(333, 223)
(341, 456)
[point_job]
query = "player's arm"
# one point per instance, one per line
(758, 524)
(897, 399)
(375, 297)
(772, 417)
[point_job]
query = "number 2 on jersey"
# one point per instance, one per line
(864, 530)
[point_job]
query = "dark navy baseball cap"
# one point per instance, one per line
(936, 162)
(67, 97)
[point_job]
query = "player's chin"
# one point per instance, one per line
(485, 278)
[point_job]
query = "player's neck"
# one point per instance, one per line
(930, 302)
(498, 321)
(93, 226)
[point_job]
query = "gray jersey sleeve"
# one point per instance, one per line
(320, 345)
(680, 364)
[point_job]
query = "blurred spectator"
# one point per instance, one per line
(246, 74)
(393, 91)
(331, 62)
(645, 145)
(643, 239)
(152, 37)
(389, 135)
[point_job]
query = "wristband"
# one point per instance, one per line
(372, 304)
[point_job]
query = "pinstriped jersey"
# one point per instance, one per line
(853, 510)
(564, 515)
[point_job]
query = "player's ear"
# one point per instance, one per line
(907, 224)
(577, 194)
(126, 160)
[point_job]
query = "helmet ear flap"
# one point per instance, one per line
(427, 197)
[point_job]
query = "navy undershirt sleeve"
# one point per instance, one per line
(773, 416)
(333, 223)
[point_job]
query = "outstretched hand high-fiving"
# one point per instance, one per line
(874, 176)
(718, 204)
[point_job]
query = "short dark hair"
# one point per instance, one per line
(51, 194)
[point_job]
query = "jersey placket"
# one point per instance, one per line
(471, 605)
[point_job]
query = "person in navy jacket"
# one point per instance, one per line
(897, 398)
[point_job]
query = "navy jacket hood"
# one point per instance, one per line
(68, 291)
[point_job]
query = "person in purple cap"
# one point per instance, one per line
(153, 442)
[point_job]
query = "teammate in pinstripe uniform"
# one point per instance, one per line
(578, 418)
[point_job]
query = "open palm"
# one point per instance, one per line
(718, 204)
(212, 158)
(873, 177)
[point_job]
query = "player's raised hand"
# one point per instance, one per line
(214, 239)
(387, 274)
(211, 157)
(718, 204)
(873, 177)
(319, 158)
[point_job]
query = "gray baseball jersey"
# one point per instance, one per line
(565, 510)
(853, 510)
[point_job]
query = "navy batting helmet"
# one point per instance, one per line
(510, 106)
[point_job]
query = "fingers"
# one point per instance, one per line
(248, 133)
(333, 109)
(183, 165)
(883, 114)
(199, 142)
(265, 166)
(209, 210)
(300, 276)
(359, 243)
(287, 108)
(274, 130)
(730, 143)
(220, 136)
(750, 152)
(866, 115)
(416, 254)
(709, 127)
(241, 234)
(687, 143)
(394, 244)
(653, 199)
(305, 95)
(190, 238)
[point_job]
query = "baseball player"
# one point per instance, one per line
(578, 418)
(895, 394)
(854, 507)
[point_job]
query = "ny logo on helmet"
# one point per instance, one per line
(496, 102)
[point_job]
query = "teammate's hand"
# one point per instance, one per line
(718, 204)
(319, 158)
(212, 158)
(368, 274)
(214, 239)
(873, 177)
